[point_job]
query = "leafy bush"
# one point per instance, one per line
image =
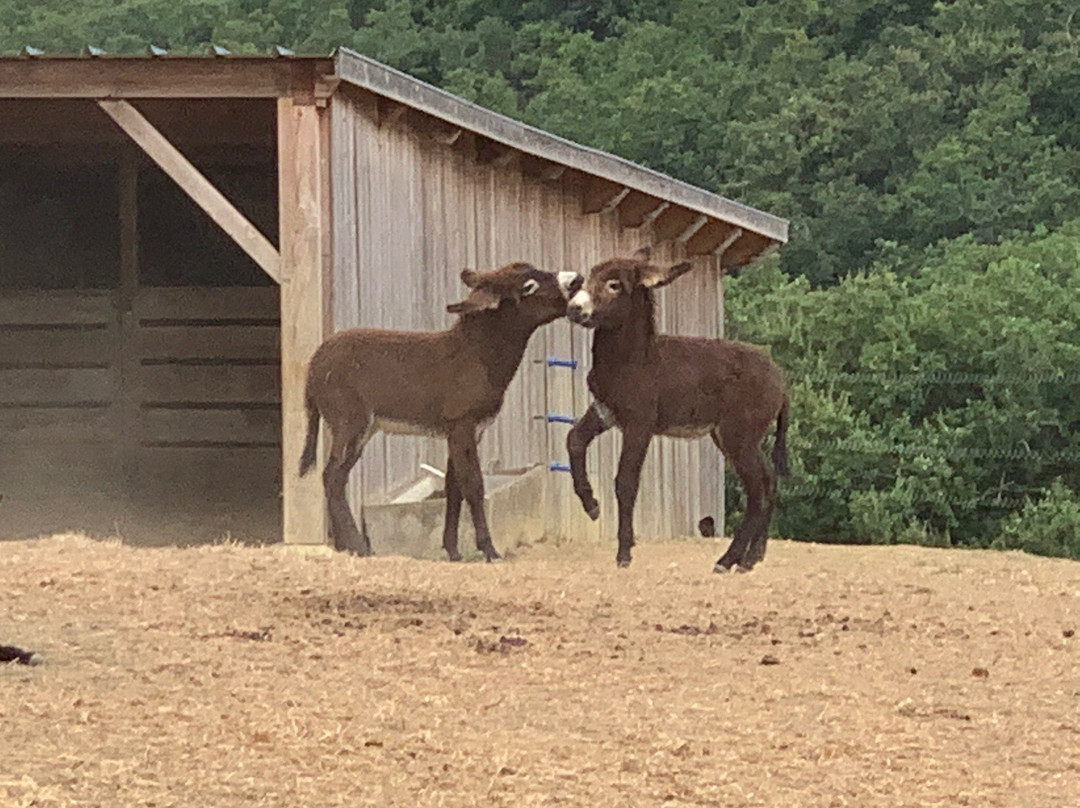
(1048, 526)
(927, 407)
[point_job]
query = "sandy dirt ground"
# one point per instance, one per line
(829, 676)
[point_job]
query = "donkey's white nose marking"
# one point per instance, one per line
(568, 281)
(582, 302)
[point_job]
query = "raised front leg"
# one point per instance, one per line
(453, 514)
(635, 447)
(584, 432)
(466, 462)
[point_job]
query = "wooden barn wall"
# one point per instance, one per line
(163, 424)
(409, 213)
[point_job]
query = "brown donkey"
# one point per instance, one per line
(446, 383)
(686, 387)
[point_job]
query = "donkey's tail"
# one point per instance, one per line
(779, 452)
(307, 459)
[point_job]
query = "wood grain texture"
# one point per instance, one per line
(303, 176)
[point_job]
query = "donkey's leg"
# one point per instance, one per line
(466, 461)
(580, 436)
(635, 447)
(752, 467)
(348, 445)
(453, 513)
(760, 537)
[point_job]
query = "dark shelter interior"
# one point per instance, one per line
(139, 346)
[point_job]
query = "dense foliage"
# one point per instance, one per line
(927, 154)
(934, 404)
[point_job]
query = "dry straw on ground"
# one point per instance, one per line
(830, 676)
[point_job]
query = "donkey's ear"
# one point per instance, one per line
(470, 277)
(653, 277)
(479, 300)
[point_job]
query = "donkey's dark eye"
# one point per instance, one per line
(613, 287)
(530, 286)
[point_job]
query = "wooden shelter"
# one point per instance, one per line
(179, 233)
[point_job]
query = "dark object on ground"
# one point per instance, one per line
(9, 653)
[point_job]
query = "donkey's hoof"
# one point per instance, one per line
(622, 563)
(491, 555)
(591, 506)
(724, 564)
(744, 567)
(454, 556)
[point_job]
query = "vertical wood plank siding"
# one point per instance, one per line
(409, 214)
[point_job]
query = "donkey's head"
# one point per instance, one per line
(606, 300)
(536, 296)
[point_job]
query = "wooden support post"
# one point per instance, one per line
(127, 401)
(190, 179)
(304, 185)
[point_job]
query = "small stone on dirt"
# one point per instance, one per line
(769, 659)
(1067, 633)
(980, 673)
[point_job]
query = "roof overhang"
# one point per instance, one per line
(98, 77)
(706, 223)
(377, 78)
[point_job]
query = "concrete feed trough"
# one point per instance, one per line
(411, 524)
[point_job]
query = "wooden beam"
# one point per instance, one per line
(201, 190)
(127, 410)
(749, 247)
(541, 168)
(390, 112)
(672, 223)
(438, 130)
(505, 158)
(695, 226)
(304, 185)
(171, 77)
(713, 237)
(552, 172)
(601, 195)
(490, 152)
(636, 207)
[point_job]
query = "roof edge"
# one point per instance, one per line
(366, 73)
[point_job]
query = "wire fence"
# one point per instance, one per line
(939, 377)
(1017, 468)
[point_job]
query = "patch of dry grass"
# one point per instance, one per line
(232, 675)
